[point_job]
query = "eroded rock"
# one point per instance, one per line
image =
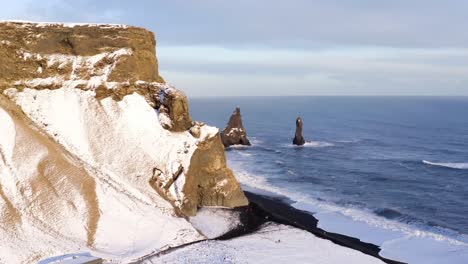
(298, 138)
(235, 133)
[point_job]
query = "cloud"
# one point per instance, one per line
(297, 47)
(346, 71)
(273, 23)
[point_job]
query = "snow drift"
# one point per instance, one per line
(97, 153)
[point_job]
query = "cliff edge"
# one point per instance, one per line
(92, 140)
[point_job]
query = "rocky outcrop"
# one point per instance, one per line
(208, 181)
(298, 138)
(42, 50)
(92, 140)
(235, 133)
(110, 60)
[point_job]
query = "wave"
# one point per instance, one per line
(318, 144)
(314, 144)
(451, 165)
(245, 154)
(237, 147)
(386, 219)
(255, 141)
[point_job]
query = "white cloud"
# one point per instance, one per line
(320, 47)
(346, 71)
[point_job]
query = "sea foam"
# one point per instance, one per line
(451, 165)
(368, 226)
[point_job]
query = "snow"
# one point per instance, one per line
(214, 222)
(75, 172)
(66, 182)
(235, 131)
(69, 25)
(273, 243)
(88, 64)
(51, 159)
(7, 135)
(399, 241)
(165, 120)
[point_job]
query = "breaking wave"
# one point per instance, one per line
(318, 144)
(451, 165)
(387, 219)
(314, 144)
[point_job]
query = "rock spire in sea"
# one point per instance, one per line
(235, 133)
(298, 138)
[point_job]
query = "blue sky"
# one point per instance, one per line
(295, 47)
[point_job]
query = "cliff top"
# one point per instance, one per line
(71, 52)
(26, 23)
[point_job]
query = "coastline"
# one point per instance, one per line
(264, 208)
(262, 211)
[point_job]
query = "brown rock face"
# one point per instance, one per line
(235, 133)
(298, 138)
(178, 109)
(209, 182)
(21, 42)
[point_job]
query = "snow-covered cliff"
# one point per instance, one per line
(96, 151)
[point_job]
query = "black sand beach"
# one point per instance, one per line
(263, 209)
(277, 209)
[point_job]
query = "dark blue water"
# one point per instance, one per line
(366, 152)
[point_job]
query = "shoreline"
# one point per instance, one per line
(264, 208)
(277, 209)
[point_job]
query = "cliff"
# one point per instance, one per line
(95, 147)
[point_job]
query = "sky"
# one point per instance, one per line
(294, 47)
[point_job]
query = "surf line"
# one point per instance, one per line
(263, 209)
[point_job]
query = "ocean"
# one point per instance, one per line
(383, 169)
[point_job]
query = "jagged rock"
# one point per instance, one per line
(177, 104)
(209, 182)
(195, 131)
(298, 138)
(235, 133)
(83, 151)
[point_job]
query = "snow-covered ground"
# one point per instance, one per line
(273, 243)
(58, 200)
(214, 222)
(75, 173)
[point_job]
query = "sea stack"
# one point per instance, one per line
(298, 138)
(235, 133)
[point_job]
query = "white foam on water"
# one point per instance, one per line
(318, 144)
(311, 144)
(451, 165)
(245, 154)
(238, 147)
(399, 241)
(255, 142)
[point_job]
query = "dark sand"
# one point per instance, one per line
(264, 209)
